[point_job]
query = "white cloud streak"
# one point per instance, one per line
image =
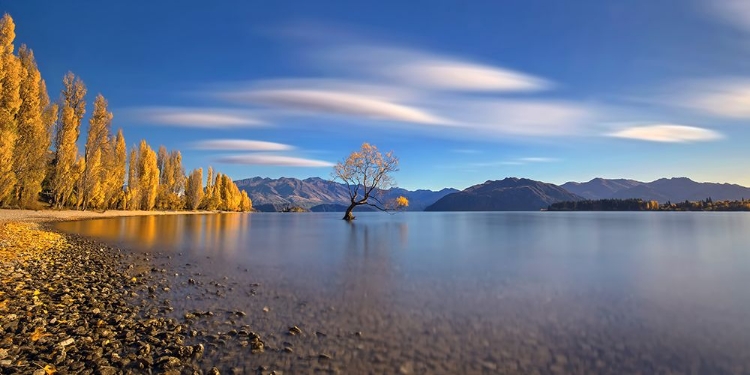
(331, 102)
(722, 97)
(516, 162)
(538, 118)
(432, 71)
(668, 133)
(240, 145)
(539, 160)
(467, 151)
(273, 160)
(196, 117)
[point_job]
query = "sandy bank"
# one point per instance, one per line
(65, 215)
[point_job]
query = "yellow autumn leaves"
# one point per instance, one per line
(19, 241)
(402, 202)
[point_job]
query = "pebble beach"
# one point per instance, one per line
(71, 305)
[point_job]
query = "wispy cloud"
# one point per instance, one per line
(272, 160)
(432, 71)
(432, 92)
(240, 145)
(668, 133)
(373, 84)
(539, 160)
(448, 115)
(466, 151)
(483, 164)
(723, 97)
(519, 161)
(539, 118)
(735, 12)
(196, 117)
(331, 102)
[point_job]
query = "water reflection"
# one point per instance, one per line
(644, 281)
(213, 235)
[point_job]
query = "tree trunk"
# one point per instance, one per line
(348, 215)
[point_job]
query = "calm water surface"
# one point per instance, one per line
(536, 292)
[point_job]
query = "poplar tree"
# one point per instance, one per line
(97, 155)
(134, 193)
(177, 179)
(116, 168)
(67, 169)
(49, 118)
(194, 189)
(10, 102)
(171, 180)
(148, 176)
(210, 200)
(30, 152)
(219, 195)
(162, 157)
(246, 204)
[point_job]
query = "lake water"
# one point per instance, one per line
(536, 292)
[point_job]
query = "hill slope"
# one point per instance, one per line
(510, 194)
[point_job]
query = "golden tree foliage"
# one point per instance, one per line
(73, 107)
(161, 161)
(176, 180)
(366, 172)
(171, 180)
(148, 176)
(402, 202)
(93, 189)
(211, 200)
(134, 192)
(223, 194)
(98, 154)
(114, 171)
(30, 153)
(194, 189)
(10, 103)
(231, 198)
(246, 204)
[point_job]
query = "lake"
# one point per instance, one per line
(493, 292)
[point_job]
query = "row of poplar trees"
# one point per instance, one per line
(39, 156)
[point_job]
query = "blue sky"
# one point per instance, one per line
(462, 92)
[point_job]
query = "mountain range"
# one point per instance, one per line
(677, 189)
(509, 194)
(317, 194)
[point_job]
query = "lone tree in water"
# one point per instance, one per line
(366, 173)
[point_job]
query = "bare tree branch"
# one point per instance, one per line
(369, 170)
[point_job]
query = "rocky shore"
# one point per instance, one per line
(72, 305)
